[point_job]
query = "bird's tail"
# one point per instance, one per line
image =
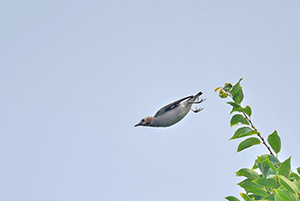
(194, 98)
(199, 94)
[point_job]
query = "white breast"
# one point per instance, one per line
(171, 117)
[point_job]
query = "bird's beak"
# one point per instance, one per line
(137, 125)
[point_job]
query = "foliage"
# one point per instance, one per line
(268, 179)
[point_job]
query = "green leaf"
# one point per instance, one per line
(285, 167)
(270, 182)
(266, 167)
(247, 110)
(287, 184)
(239, 96)
(238, 118)
(227, 87)
(248, 143)
(243, 132)
(277, 197)
(223, 94)
(294, 176)
(237, 92)
(298, 170)
(251, 187)
(232, 198)
(234, 109)
(269, 198)
(245, 197)
(236, 87)
(255, 197)
(296, 183)
(273, 159)
(285, 195)
(250, 174)
(275, 142)
(261, 158)
(233, 104)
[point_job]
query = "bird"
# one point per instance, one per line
(173, 112)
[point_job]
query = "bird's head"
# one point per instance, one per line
(144, 122)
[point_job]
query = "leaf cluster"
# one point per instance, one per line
(268, 179)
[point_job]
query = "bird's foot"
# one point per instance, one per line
(196, 110)
(197, 102)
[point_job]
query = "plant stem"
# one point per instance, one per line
(259, 135)
(252, 125)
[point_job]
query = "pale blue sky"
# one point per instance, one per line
(75, 76)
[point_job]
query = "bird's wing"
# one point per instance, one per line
(171, 106)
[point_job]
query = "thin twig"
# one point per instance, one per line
(252, 125)
(259, 135)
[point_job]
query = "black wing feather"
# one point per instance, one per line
(171, 106)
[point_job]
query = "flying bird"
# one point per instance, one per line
(173, 112)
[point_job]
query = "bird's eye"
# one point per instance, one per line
(143, 120)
